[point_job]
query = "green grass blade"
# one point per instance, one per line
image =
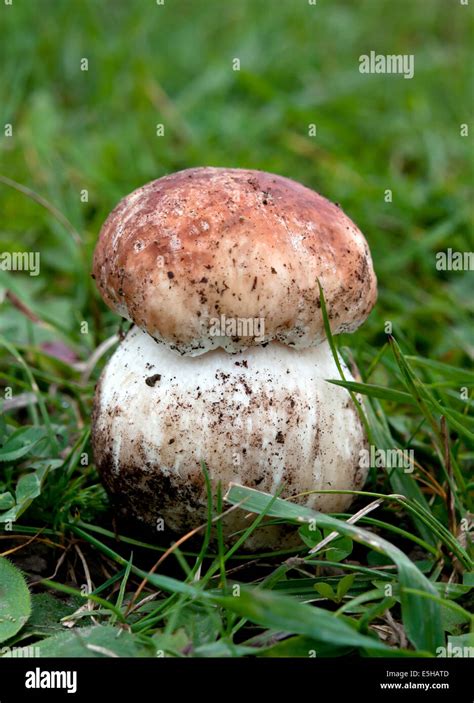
(422, 622)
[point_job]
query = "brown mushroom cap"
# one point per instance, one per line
(188, 256)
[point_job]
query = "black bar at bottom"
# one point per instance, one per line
(143, 679)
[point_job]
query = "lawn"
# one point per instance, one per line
(97, 99)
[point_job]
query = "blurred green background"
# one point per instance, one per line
(172, 64)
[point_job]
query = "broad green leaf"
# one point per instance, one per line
(15, 601)
(101, 641)
(29, 487)
(344, 585)
(22, 442)
(6, 501)
(171, 644)
(325, 590)
(46, 614)
(311, 537)
(338, 549)
(202, 624)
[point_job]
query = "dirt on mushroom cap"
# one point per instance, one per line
(205, 243)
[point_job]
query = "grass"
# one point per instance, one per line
(398, 581)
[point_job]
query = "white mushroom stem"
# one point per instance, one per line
(266, 418)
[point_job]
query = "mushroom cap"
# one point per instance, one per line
(217, 257)
(265, 418)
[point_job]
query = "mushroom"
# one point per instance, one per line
(227, 363)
